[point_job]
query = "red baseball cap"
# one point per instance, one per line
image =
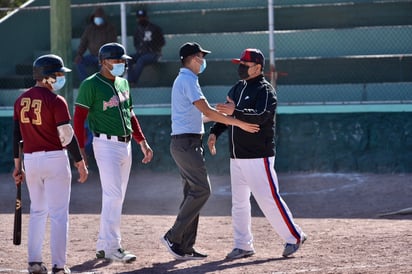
(251, 55)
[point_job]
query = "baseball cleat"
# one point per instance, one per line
(37, 268)
(100, 254)
(120, 255)
(292, 248)
(238, 253)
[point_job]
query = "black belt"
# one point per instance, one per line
(187, 135)
(124, 139)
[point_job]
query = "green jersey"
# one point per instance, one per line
(109, 104)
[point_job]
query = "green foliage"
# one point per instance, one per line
(8, 5)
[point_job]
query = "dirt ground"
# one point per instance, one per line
(340, 213)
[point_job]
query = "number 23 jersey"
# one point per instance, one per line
(39, 111)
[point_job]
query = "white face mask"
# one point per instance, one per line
(98, 21)
(203, 66)
(58, 82)
(118, 69)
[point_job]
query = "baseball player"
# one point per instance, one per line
(105, 100)
(252, 158)
(41, 120)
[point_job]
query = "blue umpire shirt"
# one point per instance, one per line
(186, 118)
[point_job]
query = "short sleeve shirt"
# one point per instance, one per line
(109, 104)
(39, 112)
(186, 118)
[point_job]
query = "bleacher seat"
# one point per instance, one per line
(292, 94)
(311, 43)
(347, 37)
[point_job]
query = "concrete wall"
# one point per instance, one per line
(347, 142)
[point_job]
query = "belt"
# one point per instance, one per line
(123, 139)
(187, 135)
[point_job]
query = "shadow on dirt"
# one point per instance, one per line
(217, 266)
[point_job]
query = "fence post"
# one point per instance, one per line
(271, 26)
(60, 41)
(123, 23)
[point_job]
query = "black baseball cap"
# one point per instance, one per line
(113, 51)
(141, 13)
(251, 55)
(191, 48)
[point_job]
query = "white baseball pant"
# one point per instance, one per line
(258, 177)
(48, 178)
(114, 160)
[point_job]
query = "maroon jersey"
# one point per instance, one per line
(39, 112)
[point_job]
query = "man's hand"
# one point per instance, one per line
(18, 175)
(147, 151)
(227, 108)
(251, 128)
(211, 141)
(83, 172)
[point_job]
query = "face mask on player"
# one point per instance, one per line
(57, 83)
(118, 69)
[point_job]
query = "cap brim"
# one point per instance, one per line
(64, 69)
(205, 51)
(236, 61)
(126, 57)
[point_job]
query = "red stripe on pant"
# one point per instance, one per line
(276, 197)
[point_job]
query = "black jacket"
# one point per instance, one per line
(256, 102)
(148, 38)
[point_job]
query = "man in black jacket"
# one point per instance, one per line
(148, 40)
(252, 158)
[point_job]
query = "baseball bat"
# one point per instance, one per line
(17, 210)
(17, 218)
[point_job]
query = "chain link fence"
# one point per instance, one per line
(324, 51)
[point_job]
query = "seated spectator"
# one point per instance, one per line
(148, 40)
(97, 33)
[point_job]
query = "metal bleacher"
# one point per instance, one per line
(346, 57)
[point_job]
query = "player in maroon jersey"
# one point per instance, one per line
(42, 122)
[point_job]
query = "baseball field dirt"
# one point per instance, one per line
(342, 214)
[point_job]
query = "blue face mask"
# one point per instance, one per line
(98, 21)
(203, 66)
(118, 69)
(59, 83)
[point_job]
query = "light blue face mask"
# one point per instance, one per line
(59, 83)
(118, 69)
(203, 66)
(98, 21)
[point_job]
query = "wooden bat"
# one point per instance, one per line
(17, 218)
(17, 210)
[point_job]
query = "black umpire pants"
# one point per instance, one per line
(187, 152)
